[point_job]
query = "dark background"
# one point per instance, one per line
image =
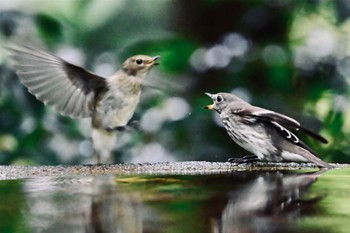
(284, 55)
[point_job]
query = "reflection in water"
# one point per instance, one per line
(265, 203)
(91, 204)
(237, 202)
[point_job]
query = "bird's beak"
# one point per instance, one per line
(210, 107)
(208, 94)
(154, 61)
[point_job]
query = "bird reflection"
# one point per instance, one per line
(264, 204)
(239, 202)
(90, 204)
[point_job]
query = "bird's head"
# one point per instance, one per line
(140, 65)
(219, 104)
(224, 102)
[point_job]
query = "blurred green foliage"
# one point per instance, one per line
(11, 218)
(284, 55)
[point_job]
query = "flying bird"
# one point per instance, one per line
(75, 92)
(262, 132)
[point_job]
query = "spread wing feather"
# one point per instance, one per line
(69, 89)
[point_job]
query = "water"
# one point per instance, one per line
(238, 202)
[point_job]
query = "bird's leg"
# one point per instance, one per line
(245, 159)
(134, 125)
(117, 128)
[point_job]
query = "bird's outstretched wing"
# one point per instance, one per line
(69, 89)
(284, 121)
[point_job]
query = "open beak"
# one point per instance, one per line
(154, 60)
(210, 95)
(210, 107)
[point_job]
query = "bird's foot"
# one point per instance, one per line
(134, 125)
(245, 159)
(118, 128)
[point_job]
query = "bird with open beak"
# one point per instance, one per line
(262, 132)
(73, 91)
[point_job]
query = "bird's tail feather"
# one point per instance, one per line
(313, 158)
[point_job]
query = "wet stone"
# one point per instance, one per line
(165, 168)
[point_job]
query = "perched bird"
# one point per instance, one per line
(263, 132)
(78, 93)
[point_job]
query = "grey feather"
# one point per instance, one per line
(263, 132)
(69, 89)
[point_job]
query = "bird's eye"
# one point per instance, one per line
(219, 99)
(139, 61)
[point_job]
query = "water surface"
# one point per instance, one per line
(275, 201)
